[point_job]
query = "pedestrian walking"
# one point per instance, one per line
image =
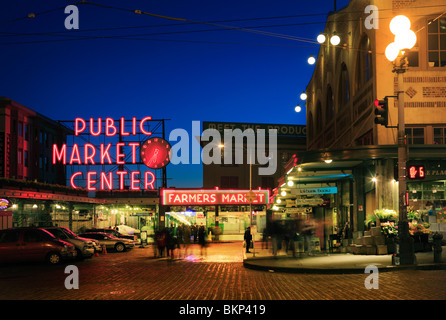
(180, 235)
(202, 239)
(308, 231)
(265, 236)
(195, 232)
(160, 238)
(248, 238)
(170, 241)
(186, 239)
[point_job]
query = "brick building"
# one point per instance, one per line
(26, 140)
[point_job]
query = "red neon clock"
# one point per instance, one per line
(155, 153)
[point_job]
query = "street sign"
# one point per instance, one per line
(251, 196)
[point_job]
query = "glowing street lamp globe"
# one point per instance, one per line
(321, 38)
(406, 39)
(399, 24)
(392, 51)
(311, 60)
(335, 40)
(298, 108)
(303, 96)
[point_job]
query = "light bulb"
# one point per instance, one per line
(321, 38)
(311, 60)
(406, 39)
(290, 183)
(298, 108)
(283, 193)
(392, 51)
(303, 96)
(399, 24)
(335, 40)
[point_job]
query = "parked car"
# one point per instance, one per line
(113, 232)
(27, 244)
(84, 247)
(96, 245)
(110, 241)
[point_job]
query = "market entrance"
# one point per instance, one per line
(225, 214)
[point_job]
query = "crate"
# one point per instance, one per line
(367, 240)
(379, 240)
(381, 249)
(370, 249)
(354, 249)
(375, 231)
(362, 249)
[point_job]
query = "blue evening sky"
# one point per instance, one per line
(122, 64)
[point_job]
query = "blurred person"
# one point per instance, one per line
(170, 241)
(265, 236)
(202, 238)
(180, 235)
(186, 239)
(308, 232)
(160, 238)
(195, 232)
(248, 238)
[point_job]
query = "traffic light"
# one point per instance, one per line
(382, 112)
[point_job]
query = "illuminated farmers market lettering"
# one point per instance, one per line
(211, 197)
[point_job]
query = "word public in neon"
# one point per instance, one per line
(109, 127)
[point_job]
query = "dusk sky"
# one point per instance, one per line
(123, 64)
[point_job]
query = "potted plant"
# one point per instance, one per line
(385, 215)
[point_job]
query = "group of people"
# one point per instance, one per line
(181, 237)
(287, 236)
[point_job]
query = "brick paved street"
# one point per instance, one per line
(220, 275)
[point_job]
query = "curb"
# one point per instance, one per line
(250, 264)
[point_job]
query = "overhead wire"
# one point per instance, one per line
(183, 22)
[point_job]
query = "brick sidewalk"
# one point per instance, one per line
(219, 275)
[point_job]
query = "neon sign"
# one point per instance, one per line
(102, 154)
(211, 197)
(4, 204)
(416, 172)
(155, 153)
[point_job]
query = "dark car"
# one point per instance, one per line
(28, 244)
(110, 241)
(113, 232)
(84, 247)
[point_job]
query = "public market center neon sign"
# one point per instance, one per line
(151, 155)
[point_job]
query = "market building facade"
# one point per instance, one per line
(346, 149)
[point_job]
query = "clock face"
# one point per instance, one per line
(155, 153)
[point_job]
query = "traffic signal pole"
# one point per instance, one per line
(406, 246)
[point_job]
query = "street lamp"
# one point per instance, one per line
(335, 40)
(298, 108)
(321, 38)
(311, 60)
(404, 39)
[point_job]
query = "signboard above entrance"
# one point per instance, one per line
(181, 197)
(322, 190)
